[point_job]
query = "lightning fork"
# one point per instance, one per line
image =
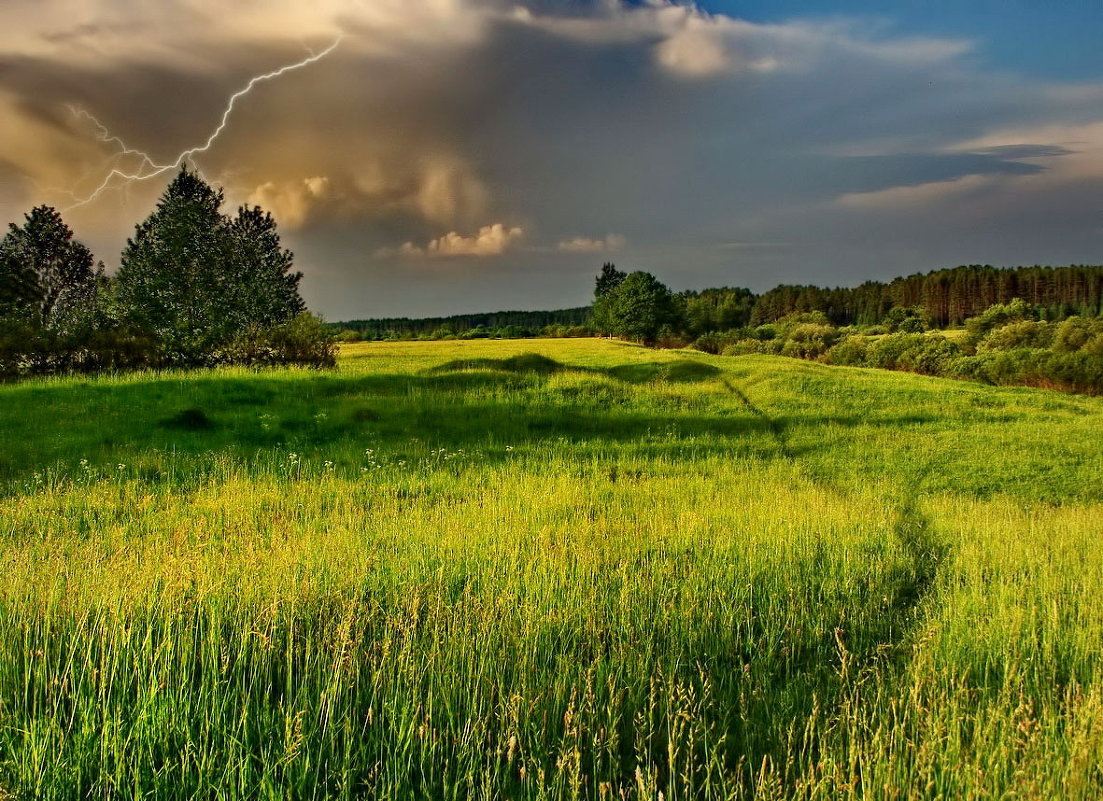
(148, 167)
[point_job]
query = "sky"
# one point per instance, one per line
(429, 157)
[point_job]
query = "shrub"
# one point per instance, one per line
(907, 320)
(993, 317)
(932, 357)
(1076, 372)
(888, 352)
(1022, 334)
(303, 340)
(850, 351)
(809, 340)
(743, 347)
(1076, 333)
(716, 342)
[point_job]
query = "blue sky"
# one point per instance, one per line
(1057, 39)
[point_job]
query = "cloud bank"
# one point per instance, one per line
(868, 152)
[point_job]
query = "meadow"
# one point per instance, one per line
(549, 569)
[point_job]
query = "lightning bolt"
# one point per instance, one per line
(147, 166)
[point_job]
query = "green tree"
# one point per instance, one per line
(639, 308)
(265, 289)
(607, 282)
(44, 272)
(195, 279)
(907, 320)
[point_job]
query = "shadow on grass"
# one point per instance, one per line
(681, 371)
(472, 404)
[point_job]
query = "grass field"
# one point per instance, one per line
(549, 569)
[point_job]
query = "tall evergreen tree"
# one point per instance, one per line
(265, 288)
(195, 279)
(43, 270)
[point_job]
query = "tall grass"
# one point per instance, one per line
(463, 570)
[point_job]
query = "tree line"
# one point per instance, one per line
(195, 287)
(491, 325)
(1033, 341)
(947, 298)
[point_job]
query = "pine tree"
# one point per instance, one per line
(43, 270)
(194, 279)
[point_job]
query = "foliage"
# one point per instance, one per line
(195, 280)
(809, 340)
(637, 308)
(1005, 345)
(906, 320)
(608, 280)
(44, 273)
(713, 310)
(997, 316)
(1018, 334)
(947, 297)
(716, 342)
(1079, 334)
(557, 323)
(303, 340)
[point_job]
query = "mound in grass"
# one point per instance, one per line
(521, 363)
(189, 420)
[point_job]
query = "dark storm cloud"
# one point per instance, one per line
(456, 155)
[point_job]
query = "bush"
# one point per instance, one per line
(997, 316)
(304, 340)
(1076, 372)
(850, 351)
(809, 340)
(932, 357)
(888, 352)
(907, 320)
(1076, 333)
(715, 342)
(764, 333)
(743, 347)
(1022, 334)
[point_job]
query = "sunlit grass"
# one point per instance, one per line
(549, 570)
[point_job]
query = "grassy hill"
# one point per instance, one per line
(551, 569)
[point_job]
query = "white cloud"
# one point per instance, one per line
(581, 244)
(491, 240)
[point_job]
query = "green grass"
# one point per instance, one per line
(553, 569)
